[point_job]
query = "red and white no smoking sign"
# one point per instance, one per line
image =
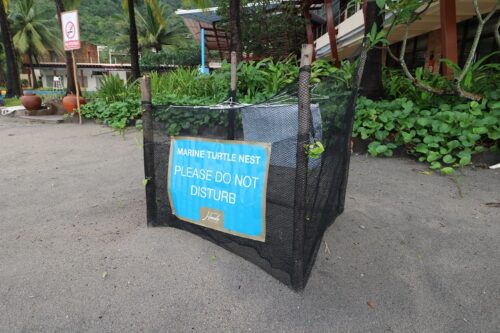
(71, 30)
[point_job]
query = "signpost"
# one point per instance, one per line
(71, 38)
(220, 184)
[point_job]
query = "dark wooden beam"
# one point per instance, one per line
(309, 28)
(218, 43)
(463, 43)
(448, 16)
(332, 34)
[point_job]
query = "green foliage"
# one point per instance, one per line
(258, 81)
(185, 86)
(32, 33)
(116, 115)
(12, 102)
(481, 77)
(445, 136)
(396, 85)
(98, 18)
(159, 28)
(344, 74)
(314, 150)
(376, 37)
(114, 89)
(117, 104)
(268, 28)
(185, 56)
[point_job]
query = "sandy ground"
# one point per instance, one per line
(408, 255)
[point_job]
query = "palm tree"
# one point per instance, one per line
(13, 80)
(60, 7)
(2, 63)
(234, 27)
(129, 7)
(32, 34)
(155, 31)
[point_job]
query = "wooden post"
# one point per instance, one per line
(304, 126)
(332, 35)
(77, 88)
(309, 28)
(232, 94)
(448, 17)
(148, 146)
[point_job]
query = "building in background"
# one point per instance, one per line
(90, 69)
(445, 30)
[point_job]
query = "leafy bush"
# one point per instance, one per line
(188, 56)
(116, 115)
(444, 136)
(482, 78)
(397, 85)
(343, 75)
(114, 89)
(257, 82)
(117, 104)
(185, 86)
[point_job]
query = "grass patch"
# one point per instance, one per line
(12, 102)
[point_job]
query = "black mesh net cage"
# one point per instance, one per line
(304, 193)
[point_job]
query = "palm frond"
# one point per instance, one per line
(71, 4)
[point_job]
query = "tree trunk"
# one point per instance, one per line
(235, 28)
(134, 45)
(13, 80)
(34, 82)
(371, 84)
(70, 85)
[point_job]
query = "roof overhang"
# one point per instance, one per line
(59, 65)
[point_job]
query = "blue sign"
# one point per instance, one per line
(220, 184)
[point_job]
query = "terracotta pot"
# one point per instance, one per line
(69, 102)
(31, 102)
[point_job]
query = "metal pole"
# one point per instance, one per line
(232, 94)
(203, 69)
(203, 49)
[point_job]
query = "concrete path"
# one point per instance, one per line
(408, 255)
(4, 111)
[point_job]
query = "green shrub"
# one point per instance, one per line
(257, 82)
(444, 136)
(117, 104)
(185, 86)
(397, 85)
(12, 102)
(114, 89)
(116, 115)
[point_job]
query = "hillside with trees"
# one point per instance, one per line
(100, 19)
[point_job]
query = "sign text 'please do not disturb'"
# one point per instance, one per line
(220, 184)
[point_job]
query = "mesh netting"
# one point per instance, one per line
(304, 194)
